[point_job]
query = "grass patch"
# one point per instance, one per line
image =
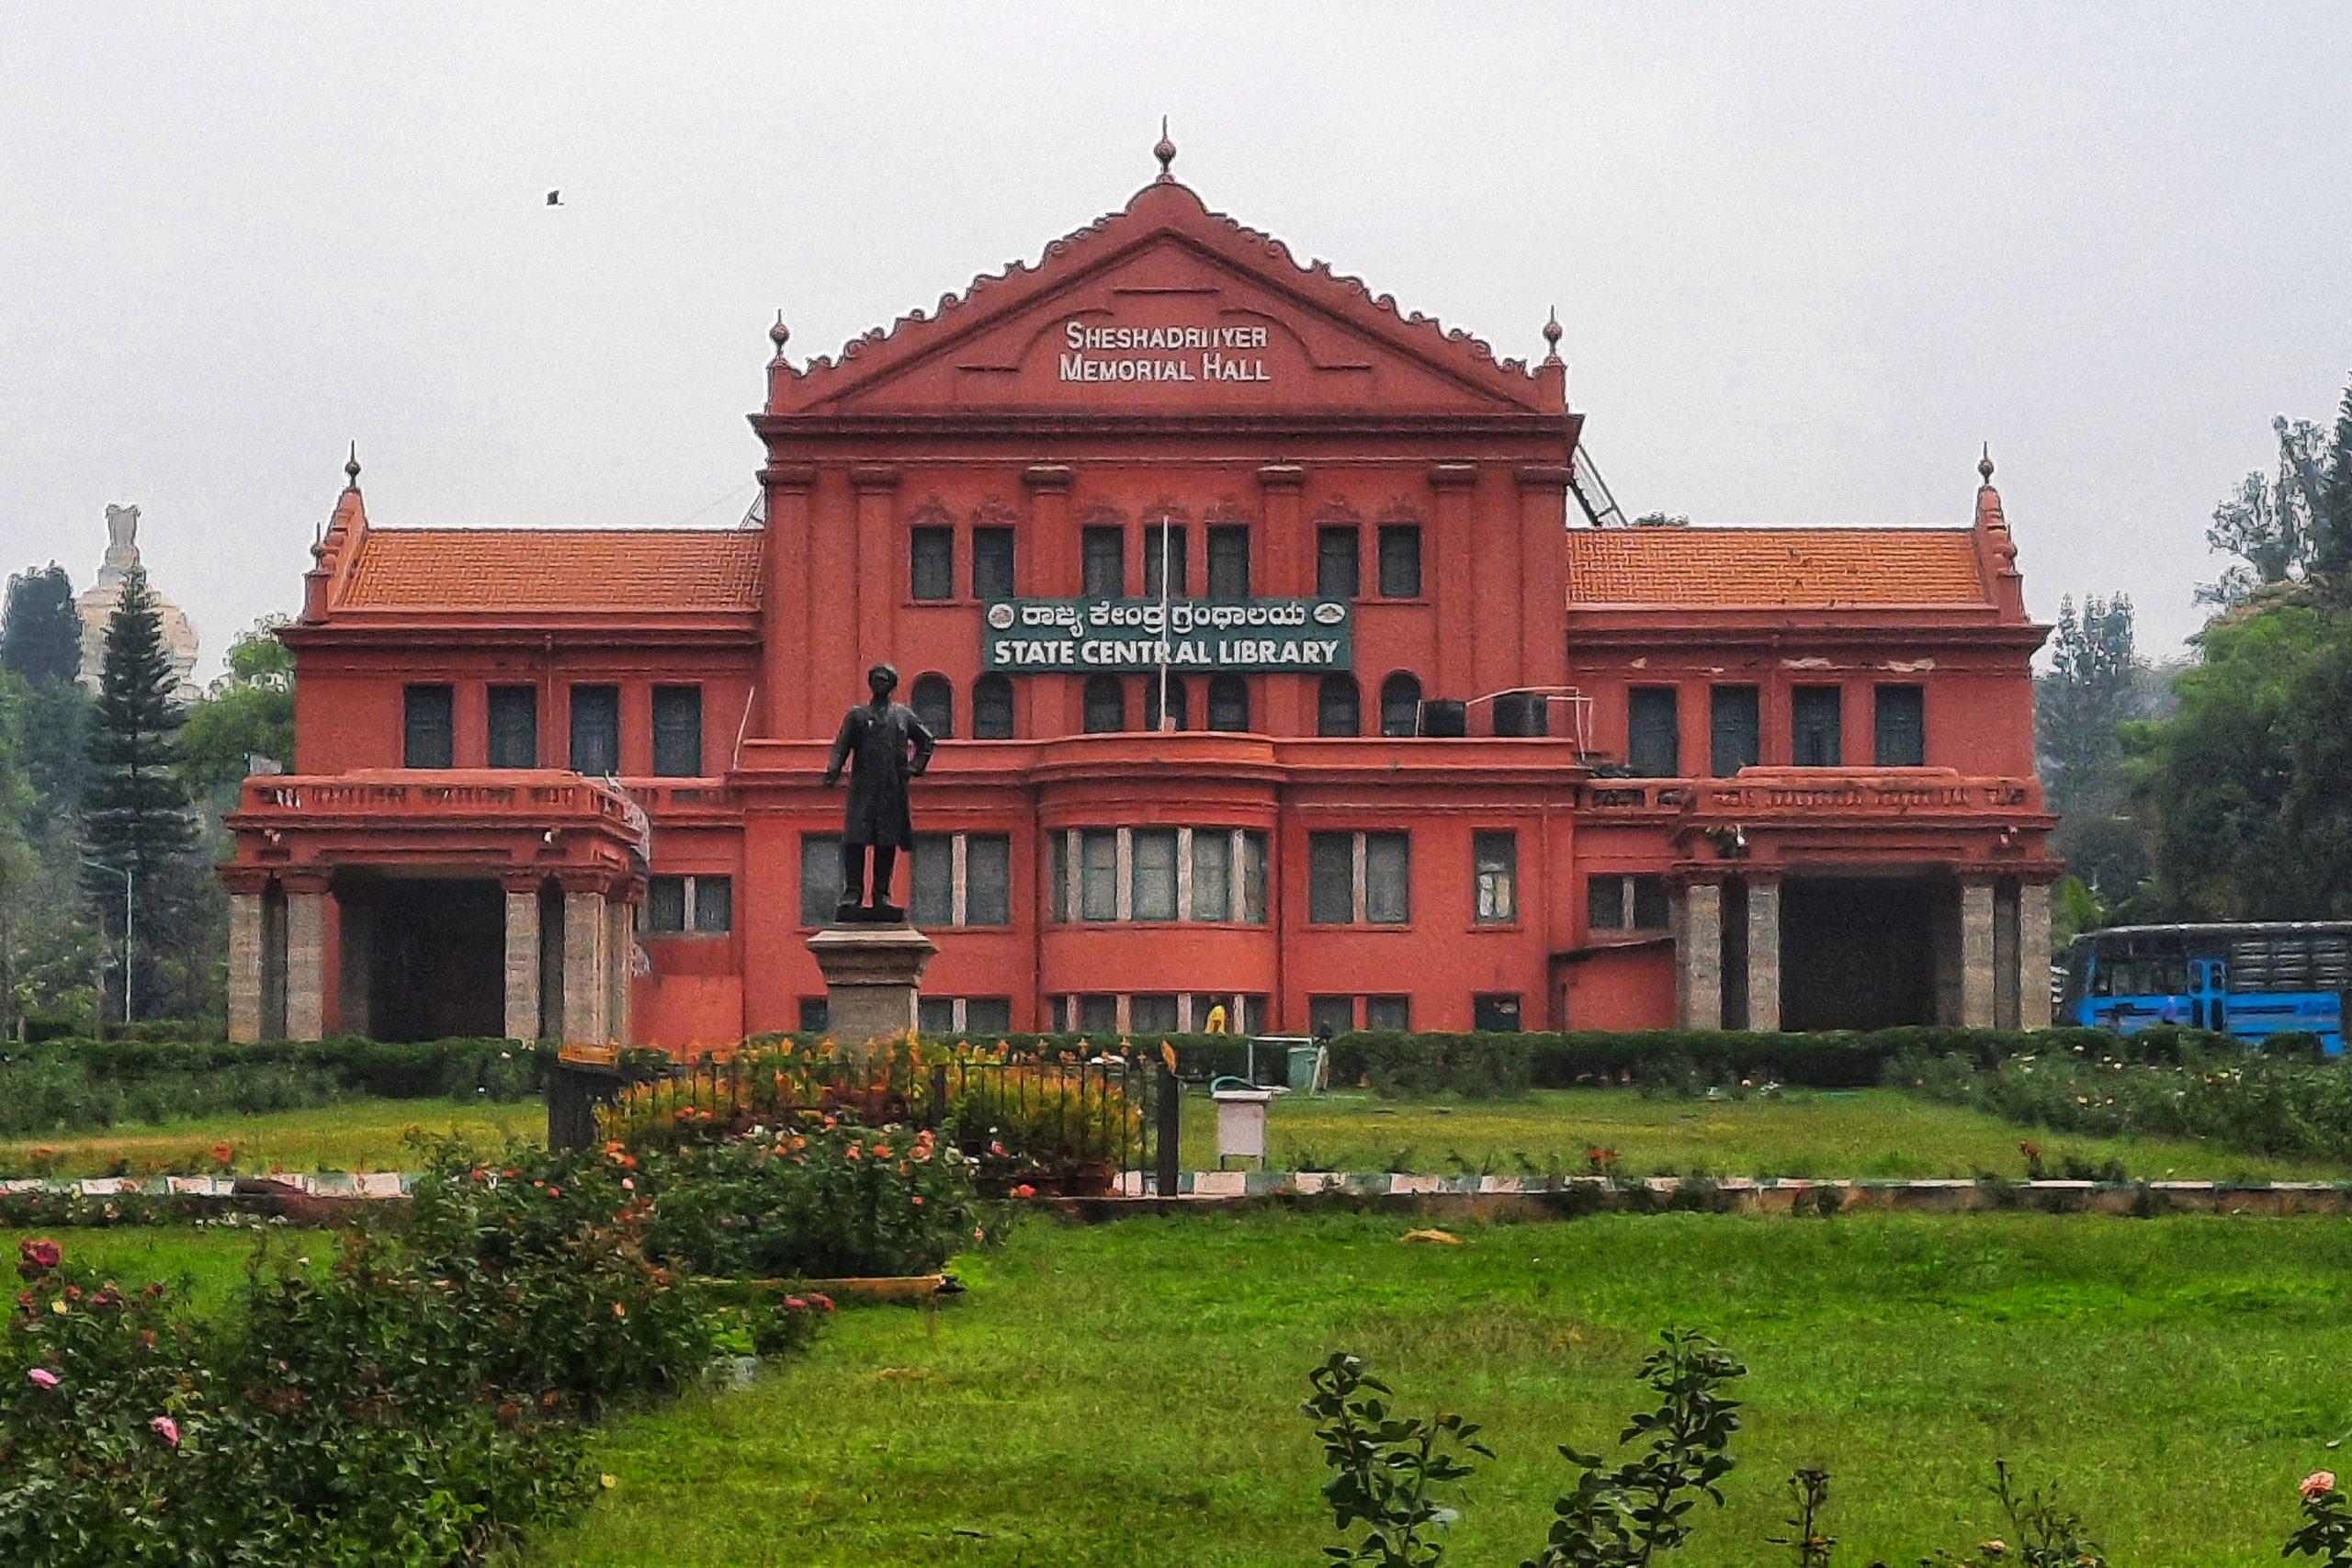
(1818, 1135)
(1129, 1393)
(213, 1262)
(350, 1134)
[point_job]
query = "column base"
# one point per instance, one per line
(872, 975)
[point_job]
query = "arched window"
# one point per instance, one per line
(1179, 702)
(1106, 705)
(1400, 705)
(1228, 703)
(992, 708)
(1339, 710)
(934, 701)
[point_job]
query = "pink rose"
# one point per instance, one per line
(166, 1428)
(2318, 1483)
(43, 1378)
(794, 1304)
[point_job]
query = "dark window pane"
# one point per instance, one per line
(1228, 703)
(1330, 1015)
(991, 563)
(1902, 727)
(1400, 561)
(429, 733)
(1229, 561)
(1496, 858)
(1388, 1012)
(1159, 538)
(1494, 1015)
(1253, 878)
(820, 878)
(1153, 861)
(814, 1019)
(1737, 738)
(1604, 903)
(988, 880)
(596, 729)
(665, 904)
(1816, 739)
(1338, 709)
(513, 727)
(931, 567)
(1105, 551)
(989, 1016)
(1652, 909)
(1057, 895)
(1097, 875)
(1331, 878)
(934, 701)
(935, 1015)
(1212, 873)
(1106, 705)
(931, 901)
(992, 708)
(1339, 563)
(1654, 732)
(1097, 1015)
(677, 731)
(1151, 1015)
(714, 903)
(1400, 706)
(1179, 706)
(1387, 878)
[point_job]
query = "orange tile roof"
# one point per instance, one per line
(555, 568)
(1774, 567)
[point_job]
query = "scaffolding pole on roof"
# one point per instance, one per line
(1592, 493)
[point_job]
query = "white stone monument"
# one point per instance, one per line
(97, 606)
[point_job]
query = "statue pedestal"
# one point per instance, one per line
(872, 977)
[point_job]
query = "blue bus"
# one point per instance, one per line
(2249, 980)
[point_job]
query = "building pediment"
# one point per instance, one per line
(1167, 309)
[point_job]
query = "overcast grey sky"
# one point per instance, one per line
(1807, 256)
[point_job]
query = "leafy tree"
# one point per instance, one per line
(2271, 525)
(40, 639)
(2332, 523)
(135, 814)
(47, 955)
(2093, 687)
(248, 712)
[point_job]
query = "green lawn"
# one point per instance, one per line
(350, 1134)
(1866, 1133)
(1127, 1394)
(214, 1262)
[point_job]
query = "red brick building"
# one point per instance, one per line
(1437, 752)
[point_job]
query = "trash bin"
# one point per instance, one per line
(1240, 1121)
(1306, 1065)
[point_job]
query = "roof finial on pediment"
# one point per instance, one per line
(778, 335)
(1166, 154)
(351, 469)
(1552, 338)
(1985, 463)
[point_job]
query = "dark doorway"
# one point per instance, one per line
(1856, 953)
(438, 965)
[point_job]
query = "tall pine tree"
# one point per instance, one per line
(40, 636)
(2080, 707)
(135, 813)
(2332, 519)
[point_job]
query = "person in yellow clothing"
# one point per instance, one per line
(1216, 1019)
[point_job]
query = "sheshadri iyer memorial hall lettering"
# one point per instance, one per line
(1284, 656)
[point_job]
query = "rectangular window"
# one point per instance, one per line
(1057, 873)
(1495, 858)
(1151, 1015)
(1400, 560)
(1817, 737)
(988, 1015)
(820, 878)
(931, 894)
(1253, 878)
(1330, 1015)
(988, 880)
(1097, 1015)
(665, 904)
(429, 736)
(714, 899)
(1152, 856)
(1604, 903)
(1097, 875)
(1212, 873)
(993, 563)
(1387, 878)
(1331, 878)
(1737, 738)
(815, 1017)
(678, 732)
(513, 727)
(931, 563)
(1105, 554)
(935, 1015)
(1902, 727)
(1495, 1014)
(596, 730)
(1653, 733)
(1229, 561)
(1388, 1012)
(1339, 563)
(1653, 912)
(1163, 540)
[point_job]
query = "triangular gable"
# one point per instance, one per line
(1169, 307)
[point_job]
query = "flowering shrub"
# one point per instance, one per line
(1030, 1124)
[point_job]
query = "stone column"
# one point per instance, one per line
(1976, 954)
(585, 985)
(245, 958)
(306, 958)
(1698, 956)
(2033, 955)
(522, 955)
(620, 942)
(873, 975)
(1763, 954)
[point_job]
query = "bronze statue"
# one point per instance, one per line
(878, 736)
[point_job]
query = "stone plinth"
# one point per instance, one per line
(872, 977)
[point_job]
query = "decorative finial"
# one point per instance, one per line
(1166, 154)
(1985, 463)
(351, 467)
(1552, 338)
(779, 334)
